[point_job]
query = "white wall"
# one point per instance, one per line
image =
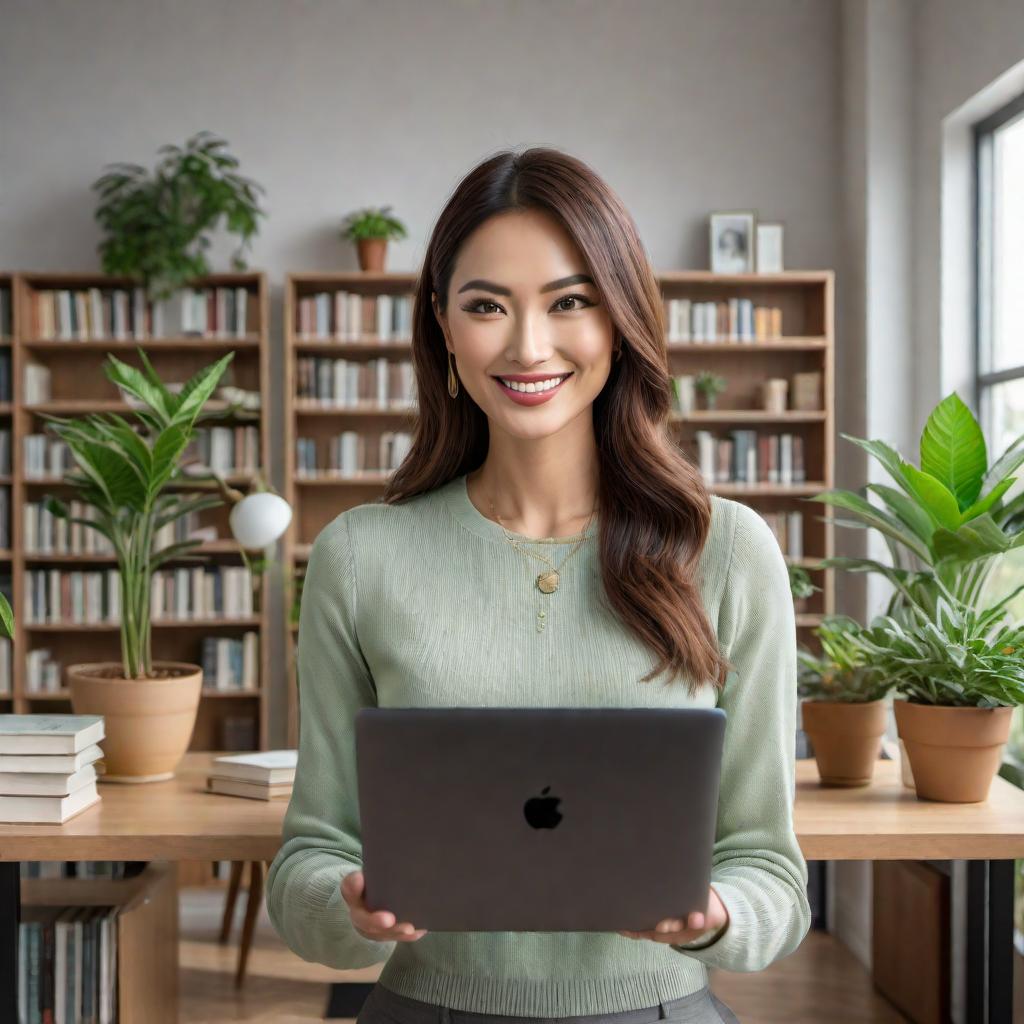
(685, 106)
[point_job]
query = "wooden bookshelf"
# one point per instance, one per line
(805, 299)
(146, 937)
(79, 386)
(317, 500)
(8, 289)
(805, 344)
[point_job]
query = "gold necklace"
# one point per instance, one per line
(547, 582)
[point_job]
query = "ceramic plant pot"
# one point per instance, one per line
(847, 738)
(954, 752)
(148, 722)
(371, 253)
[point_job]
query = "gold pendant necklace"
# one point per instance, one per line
(548, 580)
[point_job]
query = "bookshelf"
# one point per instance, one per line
(325, 329)
(145, 911)
(802, 342)
(8, 389)
(106, 310)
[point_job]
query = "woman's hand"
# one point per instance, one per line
(675, 930)
(378, 925)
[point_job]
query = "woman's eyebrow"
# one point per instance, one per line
(490, 286)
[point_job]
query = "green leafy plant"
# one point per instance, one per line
(800, 584)
(710, 385)
(372, 222)
(937, 649)
(157, 225)
(842, 671)
(947, 515)
(6, 615)
(125, 476)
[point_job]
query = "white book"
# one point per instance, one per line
(49, 734)
(58, 764)
(47, 810)
(268, 766)
(45, 783)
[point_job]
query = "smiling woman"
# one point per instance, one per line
(545, 543)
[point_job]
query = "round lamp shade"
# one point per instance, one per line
(259, 519)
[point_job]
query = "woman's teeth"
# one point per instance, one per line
(540, 385)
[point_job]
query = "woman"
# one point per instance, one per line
(545, 544)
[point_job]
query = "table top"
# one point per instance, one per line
(179, 820)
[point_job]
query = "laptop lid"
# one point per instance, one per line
(538, 819)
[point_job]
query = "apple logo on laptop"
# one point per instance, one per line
(542, 811)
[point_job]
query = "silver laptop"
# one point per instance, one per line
(538, 819)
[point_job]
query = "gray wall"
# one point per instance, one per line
(684, 107)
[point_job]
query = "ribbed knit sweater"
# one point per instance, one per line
(411, 605)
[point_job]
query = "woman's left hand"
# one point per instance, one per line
(676, 930)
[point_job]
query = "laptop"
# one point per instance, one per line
(538, 819)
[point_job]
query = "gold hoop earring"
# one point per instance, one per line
(453, 381)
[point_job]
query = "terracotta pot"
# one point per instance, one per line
(954, 752)
(148, 722)
(371, 253)
(847, 738)
(906, 771)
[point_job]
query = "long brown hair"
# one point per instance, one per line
(655, 511)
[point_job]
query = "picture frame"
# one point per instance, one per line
(769, 248)
(731, 241)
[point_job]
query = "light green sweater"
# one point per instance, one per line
(410, 606)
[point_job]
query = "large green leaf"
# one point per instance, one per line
(906, 510)
(886, 455)
(167, 449)
(935, 498)
(953, 450)
(151, 391)
(198, 389)
(984, 503)
(1006, 464)
(981, 536)
(873, 516)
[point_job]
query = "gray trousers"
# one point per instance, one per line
(382, 1006)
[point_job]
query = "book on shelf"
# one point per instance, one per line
(123, 314)
(731, 319)
(348, 316)
(747, 456)
(67, 964)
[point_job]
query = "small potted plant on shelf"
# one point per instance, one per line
(960, 671)
(157, 226)
(800, 586)
(710, 385)
(843, 706)
(149, 707)
(370, 228)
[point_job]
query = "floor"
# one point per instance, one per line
(821, 981)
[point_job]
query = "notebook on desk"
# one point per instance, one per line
(538, 819)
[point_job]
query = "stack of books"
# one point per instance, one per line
(47, 766)
(261, 775)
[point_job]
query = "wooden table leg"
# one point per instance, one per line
(229, 903)
(253, 902)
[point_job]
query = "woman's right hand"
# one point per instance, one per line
(378, 925)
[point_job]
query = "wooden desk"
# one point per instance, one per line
(178, 820)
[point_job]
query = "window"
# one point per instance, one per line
(999, 321)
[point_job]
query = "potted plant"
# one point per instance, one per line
(710, 385)
(843, 708)
(961, 673)
(370, 228)
(800, 585)
(948, 516)
(149, 707)
(157, 226)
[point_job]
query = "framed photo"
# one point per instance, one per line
(769, 248)
(732, 242)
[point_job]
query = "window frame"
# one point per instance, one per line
(984, 144)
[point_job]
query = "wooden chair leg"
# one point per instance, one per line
(229, 904)
(253, 902)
